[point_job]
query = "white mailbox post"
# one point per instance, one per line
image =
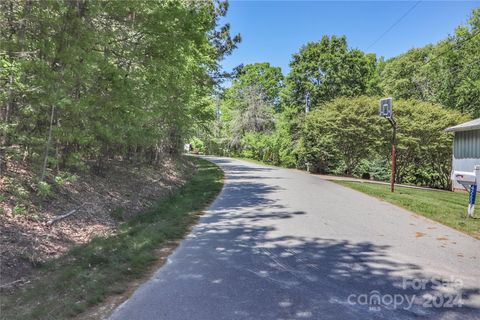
(470, 181)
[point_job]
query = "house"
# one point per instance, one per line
(466, 147)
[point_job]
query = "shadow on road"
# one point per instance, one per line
(235, 261)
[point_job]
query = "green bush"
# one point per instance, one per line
(64, 178)
(44, 190)
(346, 136)
(341, 133)
(275, 147)
(197, 145)
(285, 149)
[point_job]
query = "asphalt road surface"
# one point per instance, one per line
(283, 244)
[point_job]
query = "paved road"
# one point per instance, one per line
(282, 244)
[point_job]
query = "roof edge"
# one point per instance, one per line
(467, 126)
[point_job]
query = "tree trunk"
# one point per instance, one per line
(47, 145)
(6, 121)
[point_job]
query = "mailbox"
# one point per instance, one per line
(465, 178)
(470, 181)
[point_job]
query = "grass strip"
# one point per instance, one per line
(448, 208)
(89, 273)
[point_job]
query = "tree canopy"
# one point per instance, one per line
(262, 75)
(85, 81)
(328, 69)
(433, 87)
(447, 73)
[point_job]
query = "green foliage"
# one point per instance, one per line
(16, 189)
(257, 146)
(328, 69)
(44, 190)
(376, 169)
(285, 149)
(251, 113)
(347, 136)
(404, 77)
(331, 134)
(434, 87)
(268, 79)
(19, 209)
(249, 109)
(445, 73)
(65, 178)
(197, 144)
(86, 81)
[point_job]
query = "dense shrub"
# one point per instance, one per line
(347, 136)
(276, 147)
(341, 133)
(197, 145)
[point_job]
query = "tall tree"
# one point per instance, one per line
(327, 69)
(265, 77)
(447, 73)
(250, 103)
(85, 81)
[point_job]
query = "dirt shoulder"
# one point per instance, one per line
(90, 279)
(101, 203)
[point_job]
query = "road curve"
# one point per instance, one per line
(283, 244)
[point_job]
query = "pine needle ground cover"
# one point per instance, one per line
(88, 274)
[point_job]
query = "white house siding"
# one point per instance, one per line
(466, 152)
(467, 144)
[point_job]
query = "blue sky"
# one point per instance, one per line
(273, 30)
